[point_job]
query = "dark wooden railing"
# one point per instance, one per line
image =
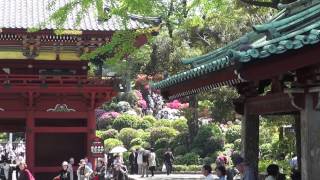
(57, 80)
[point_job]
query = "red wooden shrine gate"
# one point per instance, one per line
(56, 112)
(45, 89)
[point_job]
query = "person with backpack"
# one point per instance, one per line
(24, 173)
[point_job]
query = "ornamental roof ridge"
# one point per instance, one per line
(28, 14)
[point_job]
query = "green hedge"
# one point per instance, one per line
(125, 121)
(185, 168)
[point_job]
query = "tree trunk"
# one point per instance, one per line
(193, 123)
(151, 67)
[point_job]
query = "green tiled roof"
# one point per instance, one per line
(283, 34)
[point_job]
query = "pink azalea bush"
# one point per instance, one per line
(176, 104)
(109, 115)
(142, 103)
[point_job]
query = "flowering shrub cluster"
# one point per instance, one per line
(176, 104)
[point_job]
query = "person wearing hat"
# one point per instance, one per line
(244, 169)
(64, 174)
(83, 172)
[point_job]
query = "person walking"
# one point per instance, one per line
(100, 171)
(83, 171)
(168, 160)
(70, 167)
(145, 163)
(221, 172)
(14, 171)
(64, 174)
(133, 162)
(244, 169)
(89, 164)
(152, 162)
(140, 161)
(274, 173)
(207, 172)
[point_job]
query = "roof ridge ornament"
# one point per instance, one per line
(293, 4)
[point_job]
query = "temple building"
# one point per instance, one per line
(275, 69)
(45, 88)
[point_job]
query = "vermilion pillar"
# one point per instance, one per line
(30, 151)
(91, 133)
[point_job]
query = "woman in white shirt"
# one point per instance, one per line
(152, 161)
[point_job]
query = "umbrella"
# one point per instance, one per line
(118, 149)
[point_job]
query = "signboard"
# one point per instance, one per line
(97, 148)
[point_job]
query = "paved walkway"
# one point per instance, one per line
(170, 177)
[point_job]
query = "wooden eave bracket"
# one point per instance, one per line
(291, 92)
(317, 91)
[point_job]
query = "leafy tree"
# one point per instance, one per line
(209, 139)
(233, 133)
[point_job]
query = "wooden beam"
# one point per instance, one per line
(61, 115)
(280, 64)
(270, 104)
(60, 129)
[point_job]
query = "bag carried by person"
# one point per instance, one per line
(164, 169)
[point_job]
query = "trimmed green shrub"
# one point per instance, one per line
(180, 125)
(136, 141)
(144, 135)
(184, 168)
(142, 124)
(111, 143)
(233, 133)
(126, 135)
(111, 133)
(187, 159)
(162, 132)
(149, 118)
(99, 133)
(162, 143)
(163, 123)
(146, 145)
(125, 121)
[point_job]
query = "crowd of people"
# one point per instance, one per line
(144, 161)
(110, 167)
(242, 170)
